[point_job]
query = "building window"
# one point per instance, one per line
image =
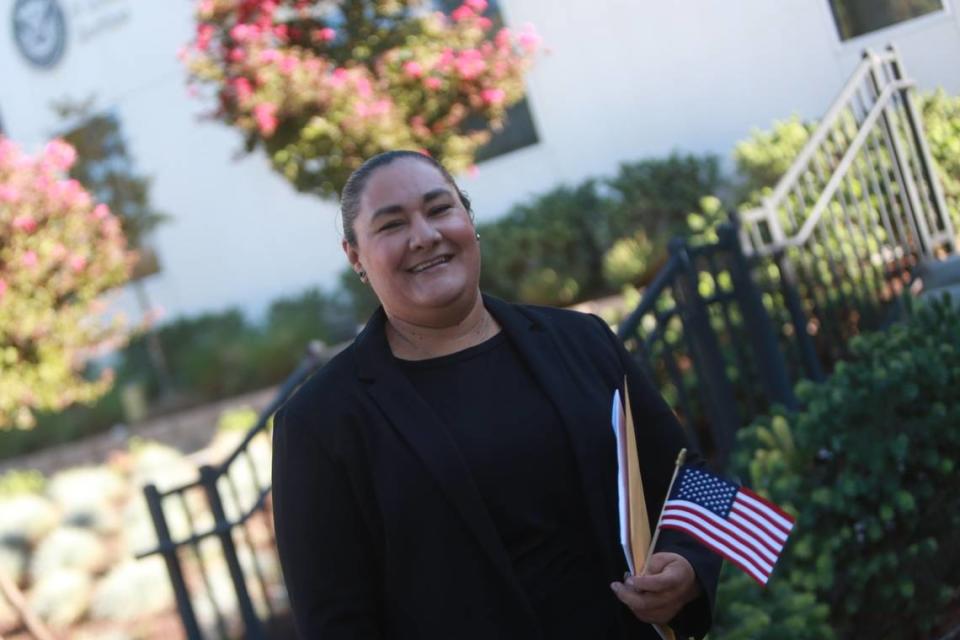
(857, 17)
(519, 130)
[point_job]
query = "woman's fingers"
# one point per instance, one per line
(646, 606)
(659, 594)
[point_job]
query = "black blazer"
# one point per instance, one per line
(380, 529)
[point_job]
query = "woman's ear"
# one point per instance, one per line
(352, 256)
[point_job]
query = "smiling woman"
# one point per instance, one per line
(452, 473)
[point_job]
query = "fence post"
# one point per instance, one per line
(770, 363)
(798, 317)
(719, 394)
(224, 529)
(169, 552)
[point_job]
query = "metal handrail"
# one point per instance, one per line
(885, 75)
(830, 189)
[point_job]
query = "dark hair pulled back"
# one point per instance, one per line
(357, 182)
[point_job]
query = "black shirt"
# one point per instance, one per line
(518, 453)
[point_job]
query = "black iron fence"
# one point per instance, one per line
(725, 335)
(216, 536)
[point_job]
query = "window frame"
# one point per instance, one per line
(919, 23)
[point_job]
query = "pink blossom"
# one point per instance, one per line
(9, 193)
(338, 77)
(323, 35)
(288, 64)
(477, 5)
(3, 287)
(363, 86)
(268, 56)
(282, 31)
(72, 193)
(419, 126)
(470, 64)
(29, 259)
(493, 96)
(101, 212)
(58, 251)
(266, 116)
(432, 83)
(381, 107)
(446, 59)
(205, 6)
(484, 23)
(242, 88)
(242, 32)
(59, 155)
(77, 263)
(25, 223)
(312, 65)
(528, 38)
(461, 13)
(111, 227)
(237, 55)
(204, 36)
(473, 171)
(8, 150)
(413, 68)
(502, 39)
(372, 109)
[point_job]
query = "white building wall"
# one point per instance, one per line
(624, 79)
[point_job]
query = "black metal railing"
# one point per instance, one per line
(216, 508)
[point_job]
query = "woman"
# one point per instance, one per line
(452, 473)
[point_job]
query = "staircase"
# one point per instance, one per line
(728, 328)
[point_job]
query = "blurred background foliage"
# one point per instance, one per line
(604, 236)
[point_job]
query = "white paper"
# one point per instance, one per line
(618, 420)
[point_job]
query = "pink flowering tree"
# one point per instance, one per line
(59, 251)
(323, 85)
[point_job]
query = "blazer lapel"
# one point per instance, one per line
(543, 355)
(416, 422)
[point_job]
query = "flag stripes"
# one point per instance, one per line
(733, 521)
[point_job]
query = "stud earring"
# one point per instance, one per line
(478, 235)
(362, 274)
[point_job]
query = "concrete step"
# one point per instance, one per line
(937, 274)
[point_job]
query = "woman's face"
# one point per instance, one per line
(417, 244)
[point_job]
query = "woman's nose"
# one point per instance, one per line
(423, 234)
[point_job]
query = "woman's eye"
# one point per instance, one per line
(440, 209)
(393, 224)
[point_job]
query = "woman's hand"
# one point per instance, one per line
(667, 584)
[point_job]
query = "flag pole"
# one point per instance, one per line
(681, 457)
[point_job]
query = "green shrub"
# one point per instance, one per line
(781, 611)
(941, 122)
(21, 481)
(764, 157)
(869, 467)
(561, 247)
(240, 419)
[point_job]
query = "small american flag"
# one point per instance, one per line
(733, 521)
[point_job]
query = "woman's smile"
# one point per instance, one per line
(431, 264)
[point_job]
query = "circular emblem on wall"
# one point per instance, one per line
(40, 31)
